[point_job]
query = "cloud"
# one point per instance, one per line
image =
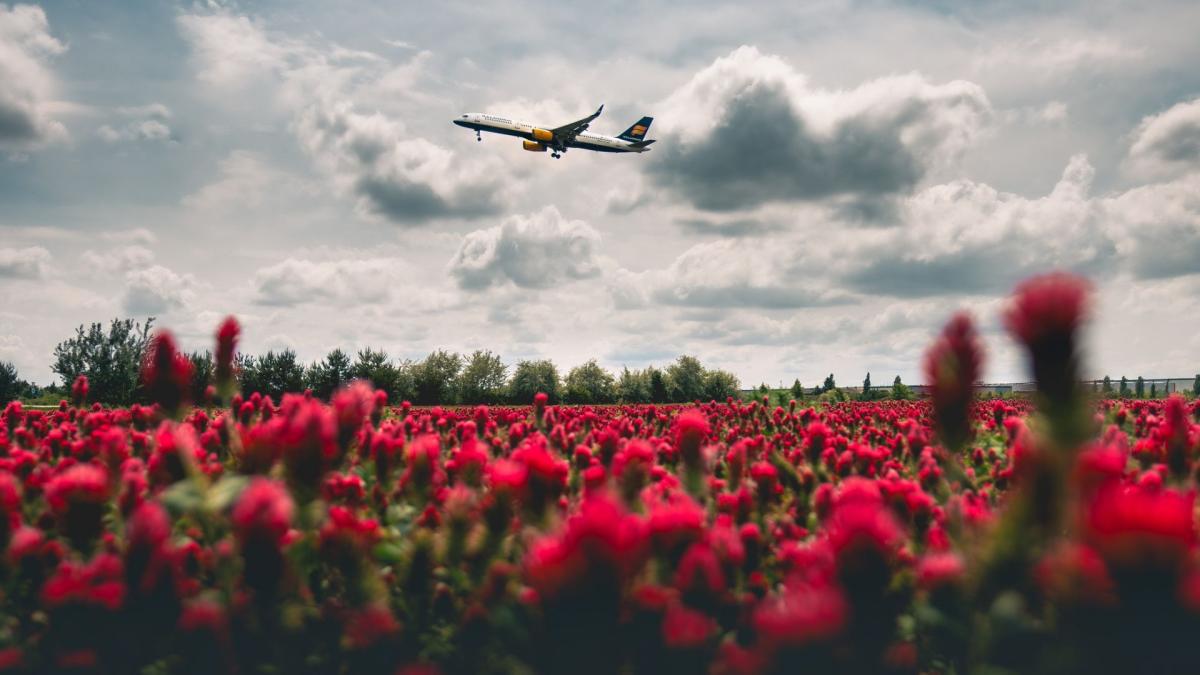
(403, 179)
(733, 273)
(1170, 139)
(121, 260)
(538, 250)
(1156, 228)
(23, 263)
(232, 51)
(148, 123)
(967, 237)
(344, 282)
(391, 173)
(26, 84)
(736, 227)
(749, 130)
(156, 290)
(137, 235)
(245, 180)
(1053, 57)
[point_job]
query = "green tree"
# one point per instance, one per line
(1139, 389)
(797, 390)
(272, 374)
(531, 378)
(1153, 390)
(866, 388)
(1124, 391)
(685, 380)
(829, 384)
(435, 378)
(1106, 385)
(633, 386)
(1196, 387)
(325, 376)
(589, 383)
(202, 373)
(901, 391)
(12, 387)
(483, 379)
(719, 385)
(111, 361)
(659, 389)
(375, 367)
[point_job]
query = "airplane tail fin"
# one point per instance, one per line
(638, 131)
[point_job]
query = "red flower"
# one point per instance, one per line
(79, 390)
(940, 569)
(306, 434)
(685, 628)
(601, 547)
(264, 512)
(1132, 528)
(801, 615)
(690, 429)
(952, 366)
(77, 497)
(227, 337)
(97, 583)
(167, 374)
(1045, 315)
(1047, 306)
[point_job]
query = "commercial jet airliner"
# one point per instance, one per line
(558, 139)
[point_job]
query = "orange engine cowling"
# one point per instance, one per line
(542, 134)
(533, 147)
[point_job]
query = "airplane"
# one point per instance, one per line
(558, 139)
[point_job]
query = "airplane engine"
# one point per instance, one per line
(533, 147)
(542, 135)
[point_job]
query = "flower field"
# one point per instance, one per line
(949, 535)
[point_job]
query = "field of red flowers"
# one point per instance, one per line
(948, 535)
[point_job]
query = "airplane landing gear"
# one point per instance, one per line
(555, 155)
(478, 135)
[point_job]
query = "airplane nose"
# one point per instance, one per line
(459, 123)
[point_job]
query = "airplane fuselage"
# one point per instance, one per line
(586, 140)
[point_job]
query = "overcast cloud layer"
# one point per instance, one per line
(830, 181)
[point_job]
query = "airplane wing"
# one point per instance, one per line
(568, 132)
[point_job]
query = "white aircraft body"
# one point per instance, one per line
(558, 139)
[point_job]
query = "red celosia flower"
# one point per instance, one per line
(800, 616)
(77, 497)
(600, 547)
(1045, 314)
(97, 583)
(690, 429)
(952, 366)
(227, 338)
(306, 434)
(369, 625)
(685, 628)
(10, 505)
(264, 512)
(79, 390)
(423, 468)
(940, 569)
(352, 405)
(1131, 528)
(148, 557)
(167, 373)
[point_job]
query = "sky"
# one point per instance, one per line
(831, 180)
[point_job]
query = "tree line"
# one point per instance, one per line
(111, 359)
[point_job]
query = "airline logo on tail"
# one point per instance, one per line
(638, 131)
